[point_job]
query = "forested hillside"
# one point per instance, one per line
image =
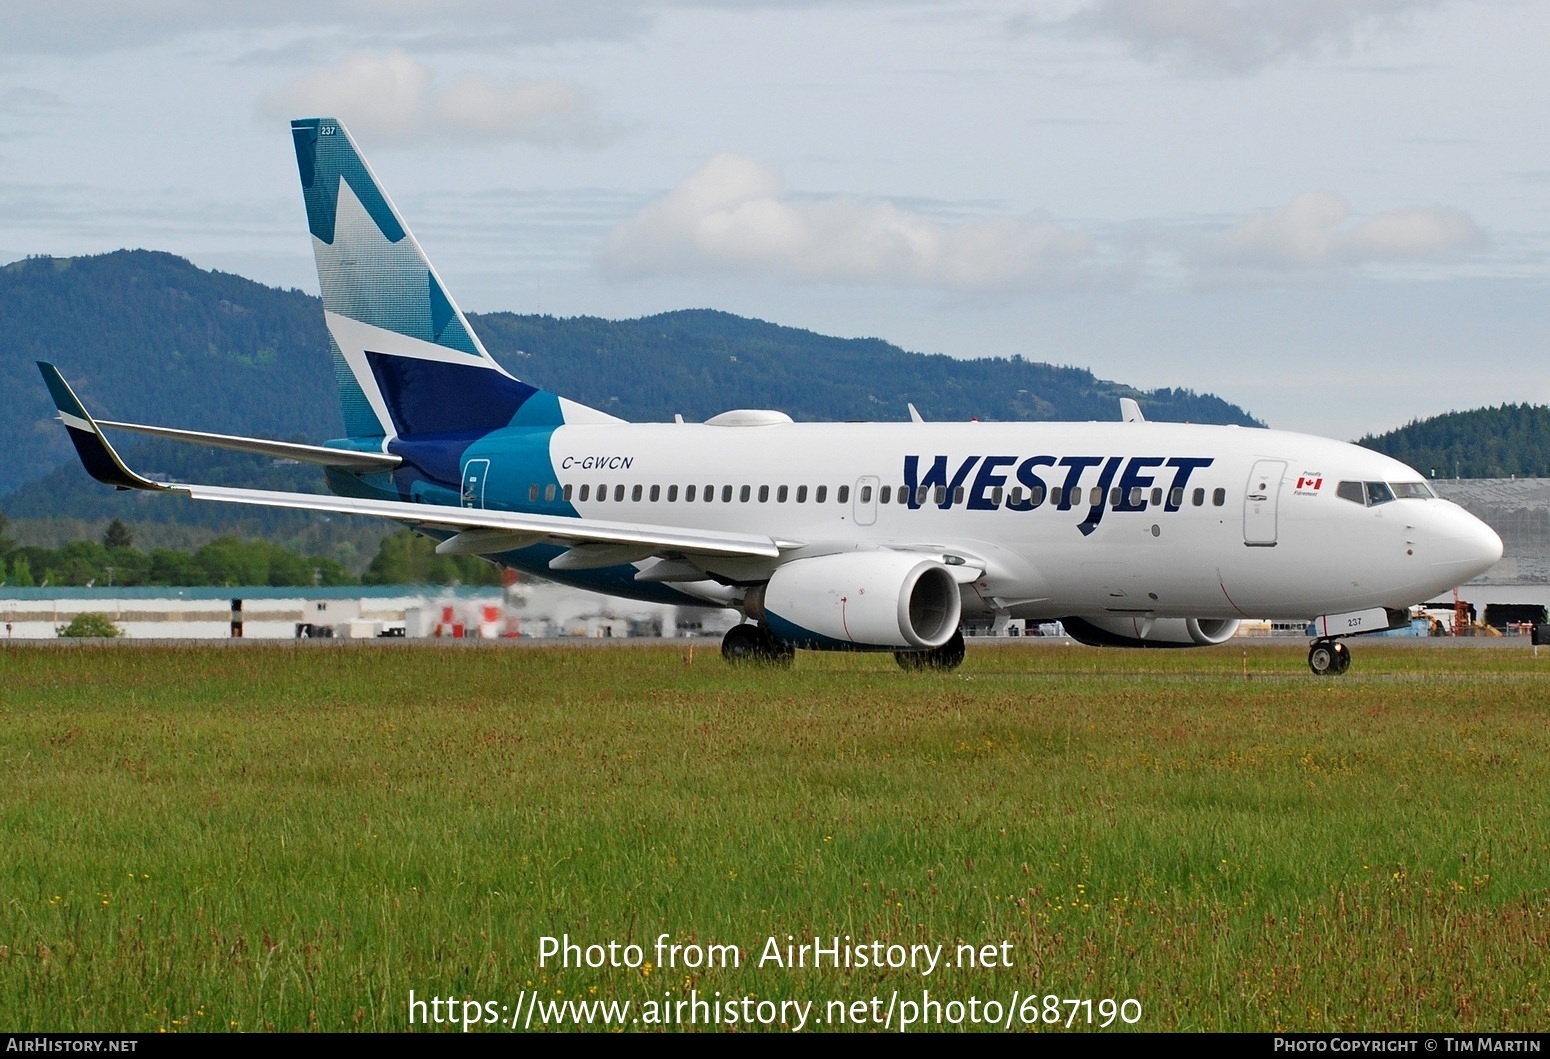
(700, 362)
(1513, 439)
(142, 334)
(149, 337)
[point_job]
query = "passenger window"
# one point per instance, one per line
(764, 494)
(532, 493)
(602, 492)
(995, 497)
(743, 494)
(585, 492)
(842, 495)
(1156, 496)
(1114, 496)
(958, 495)
(866, 494)
(656, 493)
(619, 493)
(672, 494)
(710, 493)
(1199, 497)
(820, 494)
(1036, 495)
(566, 492)
(689, 491)
(635, 494)
(1218, 497)
(549, 493)
(1095, 496)
(920, 495)
(801, 494)
(941, 495)
(885, 494)
(1176, 497)
(726, 494)
(780, 495)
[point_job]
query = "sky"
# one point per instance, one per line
(1335, 213)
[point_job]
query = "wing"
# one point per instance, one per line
(472, 530)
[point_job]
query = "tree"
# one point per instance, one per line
(117, 535)
(90, 623)
(21, 572)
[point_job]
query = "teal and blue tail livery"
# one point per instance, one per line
(406, 360)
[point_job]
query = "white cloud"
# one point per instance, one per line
(1307, 236)
(1241, 36)
(394, 98)
(733, 214)
(29, 102)
(39, 26)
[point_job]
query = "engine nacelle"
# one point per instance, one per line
(877, 600)
(1116, 631)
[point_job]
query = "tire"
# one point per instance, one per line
(945, 658)
(1322, 658)
(745, 645)
(776, 652)
(1342, 657)
(742, 645)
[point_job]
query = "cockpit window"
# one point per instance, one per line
(1371, 494)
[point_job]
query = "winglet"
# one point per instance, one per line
(98, 457)
(1130, 410)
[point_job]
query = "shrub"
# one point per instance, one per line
(89, 624)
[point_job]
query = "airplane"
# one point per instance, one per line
(827, 536)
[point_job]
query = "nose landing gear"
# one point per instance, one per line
(1328, 658)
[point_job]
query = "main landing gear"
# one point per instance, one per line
(1328, 658)
(754, 645)
(948, 656)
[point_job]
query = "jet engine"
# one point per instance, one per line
(875, 600)
(1116, 631)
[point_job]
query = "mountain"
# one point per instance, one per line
(699, 362)
(1513, 439)
(149, 337)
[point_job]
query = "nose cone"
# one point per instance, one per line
(1462, 546)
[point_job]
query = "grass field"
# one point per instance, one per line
(277, 837)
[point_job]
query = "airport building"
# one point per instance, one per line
(1518, 509)
(526, 609)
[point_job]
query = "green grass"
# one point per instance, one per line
(277, 837)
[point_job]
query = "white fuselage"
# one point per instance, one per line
(1156, 519)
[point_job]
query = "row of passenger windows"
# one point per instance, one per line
(1017, 497)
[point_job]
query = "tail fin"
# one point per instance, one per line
(405, 358)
